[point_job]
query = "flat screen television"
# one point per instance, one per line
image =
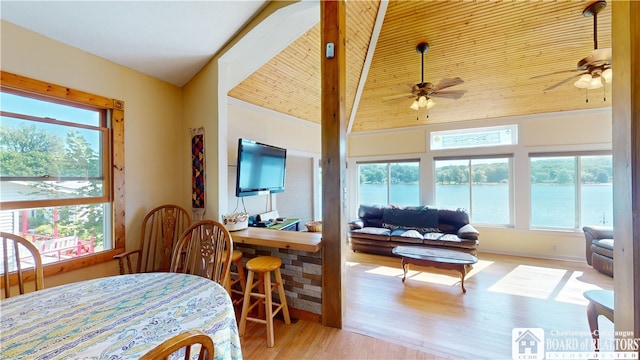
(261, 168)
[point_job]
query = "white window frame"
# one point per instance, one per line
(469, 159)
(578, 186)
(388, 164)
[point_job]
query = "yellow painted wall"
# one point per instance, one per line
(154, 164)
(206, 103)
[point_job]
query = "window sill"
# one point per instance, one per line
(80, 262)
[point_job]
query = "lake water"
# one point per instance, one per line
(553, 205)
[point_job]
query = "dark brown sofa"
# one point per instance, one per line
(599, 248)
(379, 229)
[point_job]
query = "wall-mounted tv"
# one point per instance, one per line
(261, 168)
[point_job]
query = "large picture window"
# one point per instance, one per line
(56, 156)
(569, 191)
(389, 183)
(480, 185)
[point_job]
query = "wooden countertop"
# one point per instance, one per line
(294, 240)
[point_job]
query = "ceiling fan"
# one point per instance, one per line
(596, 68)
(423, 92)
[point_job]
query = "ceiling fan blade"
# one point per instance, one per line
(564, 81)
(445, 83)
(449, 94)
(552, 73)
(394, 97)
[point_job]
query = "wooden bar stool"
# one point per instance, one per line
(264, 266)
(237, 277)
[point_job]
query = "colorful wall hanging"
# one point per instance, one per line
(197, 173)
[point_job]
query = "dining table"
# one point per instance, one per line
(116, 317)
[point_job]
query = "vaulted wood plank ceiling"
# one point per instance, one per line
(507, 52)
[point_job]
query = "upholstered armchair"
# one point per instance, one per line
(599, 248)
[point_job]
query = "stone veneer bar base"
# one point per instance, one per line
(301, 274)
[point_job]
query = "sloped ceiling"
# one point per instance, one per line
(508, 53)
(290, 82)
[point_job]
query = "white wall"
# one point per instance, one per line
(154, 164)
(565, 131)
(302, 141)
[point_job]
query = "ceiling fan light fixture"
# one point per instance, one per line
(422, 101)
(414, 105)
(583, 82)
(430, 103)
(595, 83)
(607, 75)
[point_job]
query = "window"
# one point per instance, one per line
(487, 196)
(56, 159)
(389, 183)
(474, 137)
(569, 191)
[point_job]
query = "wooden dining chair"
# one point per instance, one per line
(185, 340)
(205, 249)
(161, 228)
(19, 255)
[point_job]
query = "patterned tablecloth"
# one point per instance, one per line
(118, 317)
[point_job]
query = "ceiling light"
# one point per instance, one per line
(422, 101)
(583, 82)
(595, 83)
(607, 75)
(430, 104)
(415, 105)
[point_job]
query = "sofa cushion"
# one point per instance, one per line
(372, 233)
(450, 240)
(604, 243)
(406, 236)
(603, 247)
(468, 232)
(425, 220)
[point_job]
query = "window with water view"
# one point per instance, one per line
(569, 192)
(386, 183)
(482, 186)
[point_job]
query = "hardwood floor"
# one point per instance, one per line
(429, 317)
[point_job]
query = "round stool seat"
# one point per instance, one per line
(262, 264)
(236, 255)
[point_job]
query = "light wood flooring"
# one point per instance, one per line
(429, 317)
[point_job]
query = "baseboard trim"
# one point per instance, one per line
(304, 315)
(535, 256)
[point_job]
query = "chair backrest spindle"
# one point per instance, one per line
(204, 249)
(161, 228)
(185, 340)
(14, 261)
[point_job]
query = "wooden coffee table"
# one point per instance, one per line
(444, 259)
(600, 303)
